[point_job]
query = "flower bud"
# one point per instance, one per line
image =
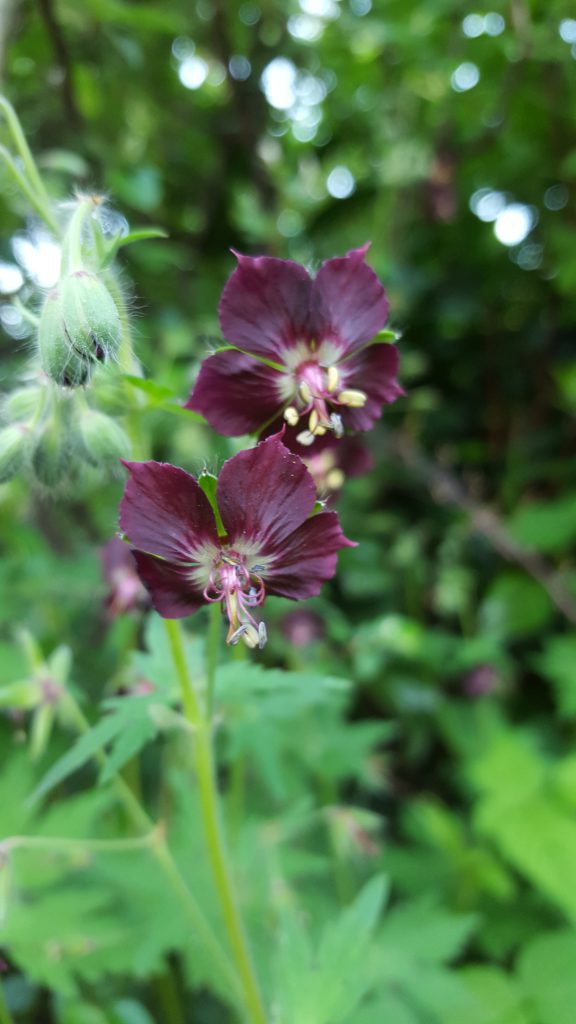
(22, 404)
(59, 359)
(79, 327)
(49, 456)
(14, 447)
(91, 319)
(103, 439)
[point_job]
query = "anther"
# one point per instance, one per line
(305, 438)
(291, 416)
(313, 421)
(335, 479)
(355, 399)
(332, 378)
(305, 392)
(336, 424)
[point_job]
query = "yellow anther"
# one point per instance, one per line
(355, 399)
(291, 416)
(305, 393)
(320, 430)
(332, 378)
(313, 422)
(335, 479)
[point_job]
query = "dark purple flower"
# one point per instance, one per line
(331, 461)
(125, 591)
(302, 350)
(272, 543)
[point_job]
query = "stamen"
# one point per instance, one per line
(313, 421)
(355, 399)
(336, 423)
(332, 378)
(335, 479)
(305, 392)
(305, 438)
(291, 415)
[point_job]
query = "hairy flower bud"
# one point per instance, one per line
(49, 456)
(59, 359)
(103, 439)
(14, 446)
(22, 403)
(79, 327)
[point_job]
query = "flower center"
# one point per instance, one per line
(239, 590)
(319, 393)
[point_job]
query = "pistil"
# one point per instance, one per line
(238, 590)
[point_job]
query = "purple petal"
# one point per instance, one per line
(236, 394)
(374, 372)
(349, 304)
(173, 594)
(265, 305)
(264, 494)
(164, 511)
(307, 558)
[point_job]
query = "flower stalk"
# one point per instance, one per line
(212, 821)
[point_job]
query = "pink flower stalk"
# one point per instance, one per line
(265, 539)
(303, 350)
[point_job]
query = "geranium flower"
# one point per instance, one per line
(265, 539)
(302, 350)
(330, 461)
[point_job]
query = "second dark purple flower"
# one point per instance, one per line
(302, 350)
(264, 539)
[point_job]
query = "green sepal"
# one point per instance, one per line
(208, 484)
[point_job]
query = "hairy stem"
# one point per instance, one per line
(143, 823)
(212, 822)
(215, 613)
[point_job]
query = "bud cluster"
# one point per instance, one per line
(52, 428)
(57, 437)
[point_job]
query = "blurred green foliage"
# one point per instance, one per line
(419, 726)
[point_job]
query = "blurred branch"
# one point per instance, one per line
(446, 489)
(62, 56)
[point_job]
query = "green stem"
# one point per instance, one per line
(97, 845)
(27, 190)
(23, 149)
(142, 822)
(72, 260)
(212, 822)
(215, 613)
(5, 1015)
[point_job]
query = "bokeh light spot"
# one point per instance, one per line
(514, 223)
(556, 197)
(340, 183)
(279, 83)
(193, 72)
(465, 77)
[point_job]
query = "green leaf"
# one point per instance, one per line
(139, 235)
(498, 999)
(547, 972)
(558, 664)
(161, 397)
(549, 527)
(323, 986)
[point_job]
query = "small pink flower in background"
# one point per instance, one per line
(481, 681)
(302, 627)
(125, 593)
(272, 543)
(306, 350)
